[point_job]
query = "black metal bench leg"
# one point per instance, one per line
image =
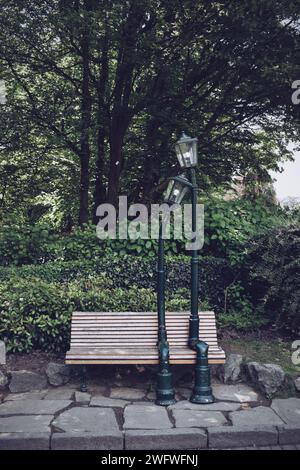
(83, 385)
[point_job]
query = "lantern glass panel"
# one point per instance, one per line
(186, 151)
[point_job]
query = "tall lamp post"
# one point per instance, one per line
(186, 151)
(165, 394)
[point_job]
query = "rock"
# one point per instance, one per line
(3, 381)
(199, 419)
(269, 378)
(26, 381)
(2, 353)
(232, 370)
(166, 439)
(297, 384)
(58, 374)
(33, 407)
(239, 393)
(259, 416)
(146, 417)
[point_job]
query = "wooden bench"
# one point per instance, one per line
(131, 338)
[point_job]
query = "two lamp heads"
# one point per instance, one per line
(186, 152)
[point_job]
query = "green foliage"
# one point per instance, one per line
(230, 224)
(271, 275)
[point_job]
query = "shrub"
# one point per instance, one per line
(230, 224)
(271, 275)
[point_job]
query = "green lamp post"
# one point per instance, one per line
(165, 394)
(186, 151)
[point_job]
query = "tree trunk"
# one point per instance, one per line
(102, 123)
(85, 125)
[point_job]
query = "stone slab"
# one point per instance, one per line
(227, 437)
(26, 396)
(127, 393)
(146, 417)
(2, 353)
(25, 441)
(218, 406)
(108, 402)
(238, 393)
(259, 416)
(112, 440)
(25, 424)
(93, 420)
(288, 409)
(60, 394)
(33, 407)
(166, 439)
(82, 398)
(289, 434)
(200, 419)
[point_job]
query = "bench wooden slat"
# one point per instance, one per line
(131, 338)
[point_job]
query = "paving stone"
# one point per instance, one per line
(83, 398)
(60, 394)
(288, 409)
(110, 440)
(260, 416)
(25, 441)
(26, 381)
(225, 437)
(127, 393)
(166, 439)
(286, 447)
(26, 396)
(30, 424)
(108, 402)
(289, 434)
(239, 393)
(218, 406)
(146, 417)
(82, 419)
(33, 407)
(200, 419)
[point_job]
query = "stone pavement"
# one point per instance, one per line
(126, 418)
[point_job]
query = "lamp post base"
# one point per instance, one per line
(202, 391)
(165, 394)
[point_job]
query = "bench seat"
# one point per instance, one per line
(131, 338)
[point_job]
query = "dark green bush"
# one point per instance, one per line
(36, 314)
(272, 276)
(215, 274)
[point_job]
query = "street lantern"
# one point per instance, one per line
(186, 151)
(176, 190)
